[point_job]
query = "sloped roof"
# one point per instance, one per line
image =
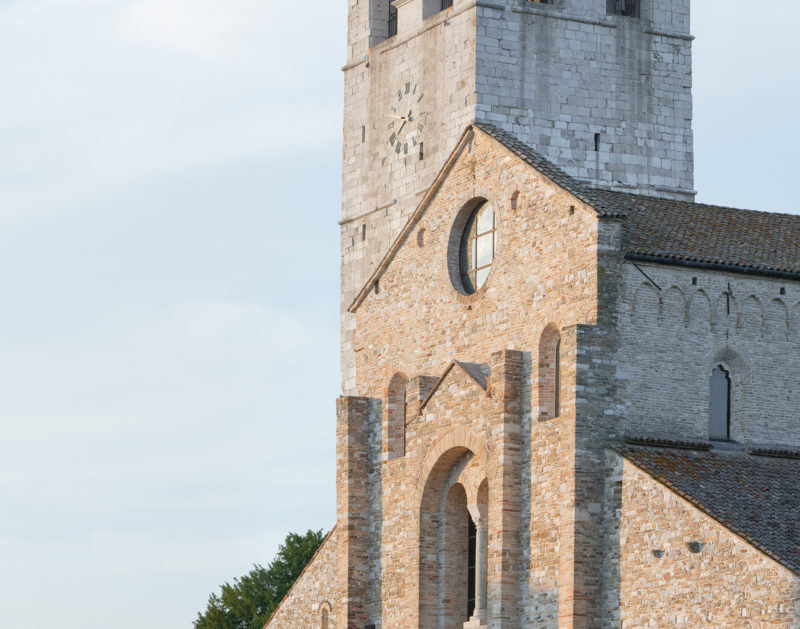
(755, 497)
(669, 231)
(655, 229)
(587, 194)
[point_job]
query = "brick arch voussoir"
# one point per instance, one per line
(456, 438)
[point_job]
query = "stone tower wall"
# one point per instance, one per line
(607, 98)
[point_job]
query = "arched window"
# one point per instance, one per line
(549, 377)
(719, 421)
(323, 623)
(478, 247)
(396, 406)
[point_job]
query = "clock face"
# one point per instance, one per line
(406, 120)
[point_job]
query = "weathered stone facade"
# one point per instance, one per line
(605, 97)
(681, 569)
(508, 457)
(477, 430)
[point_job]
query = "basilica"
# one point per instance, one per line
(571, 393)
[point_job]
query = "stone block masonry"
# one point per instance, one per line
(607, 98)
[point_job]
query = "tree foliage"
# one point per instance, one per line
(249, 602)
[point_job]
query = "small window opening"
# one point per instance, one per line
(363, 232)
(629, 8)
(392, 20)
(324, 620)
(596, 142)
(557, 381)
(783, 290)
(363, 134)
(515, 200)
(421, 151)
(719, 428)
(694, 281)
(472, 547)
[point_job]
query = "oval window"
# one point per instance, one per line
(477, 247)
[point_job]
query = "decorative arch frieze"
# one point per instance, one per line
(700, 311)
(776, 321)
(646, 306)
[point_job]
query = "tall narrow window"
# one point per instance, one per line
(472, 552)
(392, 20)
(557, 380)
(719, 423)
(324, 620)
(396, 417)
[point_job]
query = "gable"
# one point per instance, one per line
(477, 373)
(505, 148)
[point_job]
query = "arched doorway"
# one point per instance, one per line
(453, 542)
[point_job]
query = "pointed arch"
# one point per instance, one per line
(719, 408)
(740, 377)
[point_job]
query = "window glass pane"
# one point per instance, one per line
(485, 249)
(485, 219)
(719, 411)
(481, 277)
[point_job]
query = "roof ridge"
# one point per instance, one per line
(547, 168)
(646, 197)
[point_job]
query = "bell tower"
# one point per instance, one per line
(602, 88)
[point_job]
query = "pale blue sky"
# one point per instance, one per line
(169, 191)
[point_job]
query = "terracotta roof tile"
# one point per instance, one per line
(709, 235)
(674, 232)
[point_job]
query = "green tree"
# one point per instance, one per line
(249, 602)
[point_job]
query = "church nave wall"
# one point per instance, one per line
(678, 327)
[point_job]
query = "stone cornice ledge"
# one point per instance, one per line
(672, 34)
(488, 4)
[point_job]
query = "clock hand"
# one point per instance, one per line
(401, 127)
